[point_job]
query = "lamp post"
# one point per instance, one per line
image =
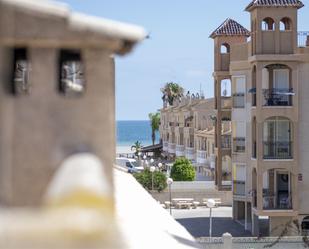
(169, 182)
(152, 169)
(211, 204)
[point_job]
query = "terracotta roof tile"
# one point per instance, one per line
(230, 27)
(274, 3)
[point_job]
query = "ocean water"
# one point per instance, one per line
(128, 132)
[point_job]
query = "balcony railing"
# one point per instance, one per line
(226, 142)
(239, 188)
(171, 148)
(190, 153)
(278, 150)
(201, 157)
(239, 100)
(278, 97)
(180, 150)
(239, 144)
(303, 39)
(279, 202)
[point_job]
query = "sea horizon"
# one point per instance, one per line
(130, 131)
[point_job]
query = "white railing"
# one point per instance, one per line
(171, 148)
(190, 153)
(180, 150)
(165, 146)
(201, 157)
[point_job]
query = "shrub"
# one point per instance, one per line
(182, 170)
(145, 179)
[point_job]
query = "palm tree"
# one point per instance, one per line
(155, 124)
(171, 91)
(137, 146)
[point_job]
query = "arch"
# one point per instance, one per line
(226, 168)
(285, 24)
(277, 138)
(225, 48)
(226, 88)
(268, 24)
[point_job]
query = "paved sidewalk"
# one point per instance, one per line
(196, 221)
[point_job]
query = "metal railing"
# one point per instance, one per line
(278, 97)
(303, 38)
(239, 144)
(239, 188)
(226, 142)
(238, 100)
(280, 202)
(278, 150)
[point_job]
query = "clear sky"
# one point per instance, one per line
(178, 50)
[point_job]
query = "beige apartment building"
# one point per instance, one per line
(187, 130)
(268, 69)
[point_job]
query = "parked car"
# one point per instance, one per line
(130, 164)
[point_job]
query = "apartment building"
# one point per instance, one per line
(187, 130)
(268, 72)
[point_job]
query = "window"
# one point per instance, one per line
(277, 138)
(268, 24)
(21, 84)
(239, 134)
(225, 48)
(239, 85)
(72, 78)
(285, 24)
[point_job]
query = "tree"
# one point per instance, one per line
(137, 146)
(182, 170)
(145, 179)
(155, 125)
(171, 91)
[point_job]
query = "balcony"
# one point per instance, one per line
(171, 148)
(201, 157)
(280, 201)
(238, 100)
(226, 102)
(190, 153)
(239, 188)
(165, 146)
(180, 150)
(278, 97)
(226, 142)
(277, 150)
(239, 144)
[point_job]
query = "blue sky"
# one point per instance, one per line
(179, 49)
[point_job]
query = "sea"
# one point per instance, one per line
(128, 132)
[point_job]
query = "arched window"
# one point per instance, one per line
(225, 48)
(285, 24)
(268, 24)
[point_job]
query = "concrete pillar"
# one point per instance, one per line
(227, 241)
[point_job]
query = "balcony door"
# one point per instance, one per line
(277, 138)
(282, 191)
(281, 79)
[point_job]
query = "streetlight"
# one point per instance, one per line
(169, 182)
(211, 204)
(152, 169)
